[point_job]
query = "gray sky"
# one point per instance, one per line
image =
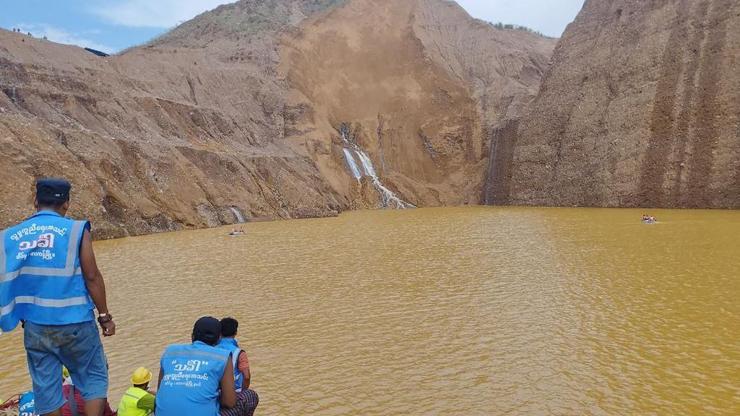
(547, 16)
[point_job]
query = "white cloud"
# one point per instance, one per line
(58, 35)
(154, 13)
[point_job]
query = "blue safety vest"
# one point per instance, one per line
(26, 405)
(230, 345)
(40, 276)
(191, 382)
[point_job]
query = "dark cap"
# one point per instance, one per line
(208, 330)
(52, 190)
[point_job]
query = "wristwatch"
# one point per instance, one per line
(104, 318)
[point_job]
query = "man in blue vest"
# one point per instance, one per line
(50, 282)
(196, 379)
(246, 398)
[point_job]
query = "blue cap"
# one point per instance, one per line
(52, 190)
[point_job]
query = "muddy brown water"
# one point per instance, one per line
(469, 311)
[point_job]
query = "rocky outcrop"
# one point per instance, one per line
(239, 111)
(641, 107)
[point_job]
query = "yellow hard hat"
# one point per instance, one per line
(141, 376)
(65, 372)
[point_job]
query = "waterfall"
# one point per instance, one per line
(367, 164)
(388, 198)
(352, 164)
(237, 215)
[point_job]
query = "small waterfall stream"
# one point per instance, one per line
(352, 164)
(390, 199)
(351, 149)
(238, 215)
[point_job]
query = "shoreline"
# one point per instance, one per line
(267, 218)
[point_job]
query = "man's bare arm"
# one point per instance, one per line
(94, 281)
(247, 376)
(247, 379)
(243, 366)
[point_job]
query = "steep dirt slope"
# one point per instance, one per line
(237, 113)
(164, 136)
(640, 108)
(419, 83)
(503, 68)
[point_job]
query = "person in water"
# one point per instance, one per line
(52, 284)
(196, 379)
(138, 401)
(246, 399)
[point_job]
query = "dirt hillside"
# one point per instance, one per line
(641, 107)
(239, 112)
(419, 83)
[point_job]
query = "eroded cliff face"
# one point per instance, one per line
(167, 136)
(239, 112)
(420, 84)
(641, 107)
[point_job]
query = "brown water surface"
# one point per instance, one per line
(470, 311)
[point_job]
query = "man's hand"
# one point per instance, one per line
(109, 328)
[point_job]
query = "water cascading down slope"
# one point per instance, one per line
(238, 215)
(388, 198)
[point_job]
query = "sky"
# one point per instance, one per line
(114, 25)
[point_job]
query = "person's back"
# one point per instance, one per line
(42, 264)
(247, 399)
(196, 379)
(52, 284)
(137, 400)
(131, 402)
(232, 346)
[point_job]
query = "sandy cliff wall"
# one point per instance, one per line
(164, 136)
(641, 107)
(239, 110)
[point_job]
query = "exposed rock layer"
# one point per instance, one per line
(238, 109)
(641, 107)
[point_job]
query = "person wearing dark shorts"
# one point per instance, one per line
(50, 282)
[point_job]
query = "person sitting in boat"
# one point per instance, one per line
(196, 379)
(246, 399)
(648, 219)
(237, 231)
(138, 401)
